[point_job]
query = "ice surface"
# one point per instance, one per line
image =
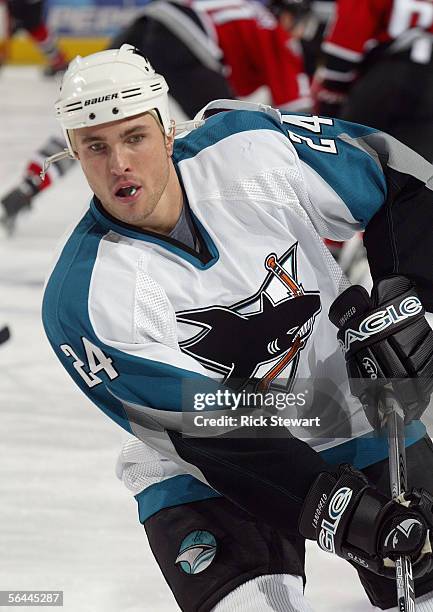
(66, 522)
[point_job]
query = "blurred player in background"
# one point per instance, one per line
(378, 68)
(206, 50)
(306, 21)
(28, 15)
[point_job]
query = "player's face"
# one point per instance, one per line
(128, 165)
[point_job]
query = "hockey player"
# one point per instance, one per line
(307, 21)
(199, 268)
(28, 15)
(230, 49)
(378, 68)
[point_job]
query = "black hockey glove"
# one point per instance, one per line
(348, 517)
(386, 339)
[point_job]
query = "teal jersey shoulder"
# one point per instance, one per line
(335, 150)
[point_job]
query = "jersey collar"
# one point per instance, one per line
(206, 256)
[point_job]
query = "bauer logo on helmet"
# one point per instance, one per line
(101, 99)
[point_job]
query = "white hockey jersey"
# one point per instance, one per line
(142, 323)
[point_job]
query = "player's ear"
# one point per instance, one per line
(169, 138)
(73, 141)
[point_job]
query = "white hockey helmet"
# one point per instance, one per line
(109, 86)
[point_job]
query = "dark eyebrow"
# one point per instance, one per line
(137, 128)
(128, 132)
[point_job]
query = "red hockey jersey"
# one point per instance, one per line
(361, 27)
(361, 24)
(257, 51)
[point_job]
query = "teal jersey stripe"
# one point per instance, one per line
(360, 452)
(175, 491)
(370, 448)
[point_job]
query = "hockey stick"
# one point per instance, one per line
(398, 481)
(272, 264)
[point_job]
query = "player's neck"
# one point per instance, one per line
(168, 210)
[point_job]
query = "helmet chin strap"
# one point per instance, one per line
(183, 126)
(54, 158)
(186, 126)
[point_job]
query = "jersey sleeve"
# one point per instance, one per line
(359, 178)
(398, 237)
(345, 183)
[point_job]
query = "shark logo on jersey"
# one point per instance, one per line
(196, 552)
(261, 337)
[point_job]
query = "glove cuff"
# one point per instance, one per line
(329, 507)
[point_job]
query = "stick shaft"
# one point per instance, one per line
(398, 483)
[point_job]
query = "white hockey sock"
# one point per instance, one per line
(271, 593)
(424, 603)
